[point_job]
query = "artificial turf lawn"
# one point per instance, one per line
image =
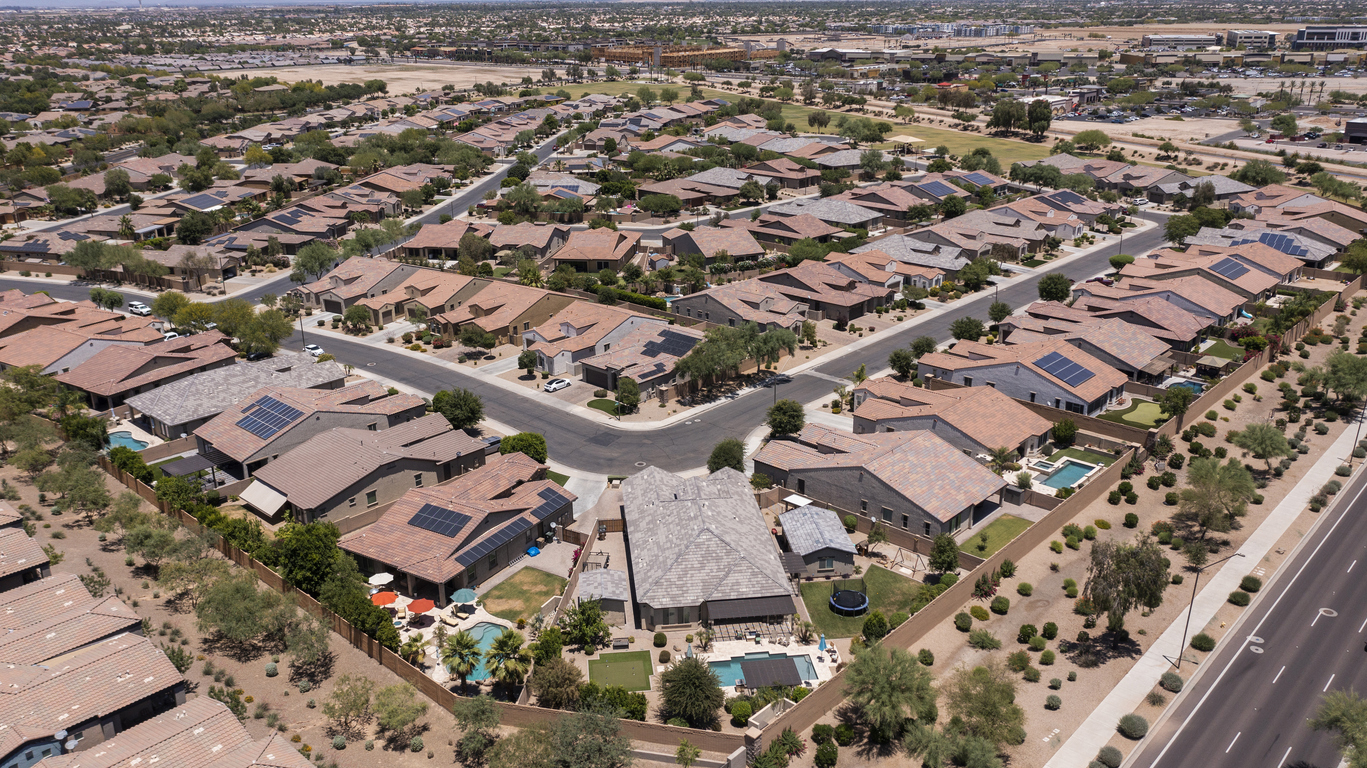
(1141, 413)
(888, 592)
(629, 669)
(559, 479)
(1222, 349)
(606, 406)
(999, 532)
(521, 595)
(1081, 455)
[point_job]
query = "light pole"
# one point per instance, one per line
(1194, 582)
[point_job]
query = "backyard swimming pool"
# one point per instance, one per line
(1064, 473)
(728, 670)
(126, 440)
(485, 633)
(1193, 386)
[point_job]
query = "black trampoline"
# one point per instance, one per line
(849, 597)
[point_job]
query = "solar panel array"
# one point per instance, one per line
(671, 343)
(979, 179)
(202, 202)
(1066, 196)
(1063, 369)
(440, 520)
(938, 188)
(551, 500)
(1230, 269)
(267, 416)
(1284, 243)
(493, 541)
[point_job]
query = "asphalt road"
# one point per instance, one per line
(1304, 636)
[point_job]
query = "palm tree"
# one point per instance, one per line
(461, 654)
(126, 227)
(506, 660)
(413, 649)
(528, 273)
(998, 458)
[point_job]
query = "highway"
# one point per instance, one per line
(1304, 636)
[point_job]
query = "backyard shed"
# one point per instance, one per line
(817, 536)
(611, 589)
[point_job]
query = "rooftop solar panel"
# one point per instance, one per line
(1063, 369)
(439, 520)
(1066, 196)
(551, 500)
(493, 541)
(1229, 268)
(267, 416)
(979, 179)
(938, 188)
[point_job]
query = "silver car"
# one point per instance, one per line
(555, 385)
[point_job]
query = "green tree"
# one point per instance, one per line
(1055, 287)
(312, 261)
(265, 331)
(983, 700)
(1178, 228)
(1175, 401)
(1344, 714)
(1122, 577)
(1040, 117)
(167, 305)
(507, 660)
(902, 362)
(555, 683)
(194, 227)
(477, 719)
(233, 316)
(923, 345)
(1215, 497)
(690, 690)
(1264, 441)
(530, 443)
(999, 311)
(397, 707)
(461, 654)
(953, 207)
(1259, 173)
(526, 361)
(786, 417)
(967, 329)
(1091, 140)
(463, 408)
(237, 611)
(583, 624)
(1285, 124)
(727, 453)
(628, 394)
(307, 553)
(890, 687)
(116, 184)
(687, 754)
(348, 706)
(944, 554)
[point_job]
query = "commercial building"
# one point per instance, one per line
(1251, 38)
(1180, 42)
(1329, 37)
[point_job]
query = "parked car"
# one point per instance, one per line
(254, 356)
(139, 309)
(170, 335)
(1103, 280)
(492, 444)
(555, 385)
(313, 349)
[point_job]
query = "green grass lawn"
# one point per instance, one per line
(1141, 413)
(999, 532)
(606, 406)
(1222, 348)
(502, 271)
(1081, 455)
(521, 596)
(559, 479)
(629, 669)
(888, 592)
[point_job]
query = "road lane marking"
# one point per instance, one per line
(1282, 761)
(1326, 685)
(1350, 568)
(1364, 626)
(1330, 612)
(1279, 675)
(1231, 744)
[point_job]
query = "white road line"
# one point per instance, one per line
(1364, 626)
(1317, 618)
(1279, 675)
(1326, 685)
(1231, 744)
(1282, 761)
(1350, 567)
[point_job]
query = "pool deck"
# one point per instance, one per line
(125, 425)
(431, 664)
(724, 650)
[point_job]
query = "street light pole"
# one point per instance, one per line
(1186, 628)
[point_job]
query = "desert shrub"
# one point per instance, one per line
(339, 742)
(1133, 726)
(1037, 643)
(415, 744)
(1055, 684)
(1251, 584)
(1153, 482)
(272, 670)
(979, 613)
(1104, 525)
(1000, 605)
(1177, 578)
(963, 622)
(1171, 682)
(1031, 675)
(925, 657)
(1171, 498)
(844, 734)
(1052, 702)
(1203, 642)
(1239, 597)
(1017, 661)
(983, 640)
(1026, 632)
(826, 755)
(1343, 470)
(1024, 589)
(660, 640)
(1007, 569)
(1133, 498)
(664, 657)
(1049, 631)
(740, 713)
(1057, 546)
(1110, 757)
(1089, 533)
(822, 733)
(1131, 520)
(1113, 498)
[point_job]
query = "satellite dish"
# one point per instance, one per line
(71, 746)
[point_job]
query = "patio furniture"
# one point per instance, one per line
(450, 621)
(462, 616)
(619, 643)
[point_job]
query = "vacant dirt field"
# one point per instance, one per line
(1188, 129)
(401, 78)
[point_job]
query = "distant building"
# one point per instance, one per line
(1251, 38)
(1329, 37)
(1180, 42)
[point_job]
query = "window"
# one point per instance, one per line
(417, 479)
(1032, 397)
(825, 564)
(906, 521)
(801, 485)
(351, 502)
(371, 426)
(992, 384)
(493, 561)
(1058, 403)
(927, 525)
(968, 381)
(863, 505)
(470, 576)
(887, 515)
(371, 498)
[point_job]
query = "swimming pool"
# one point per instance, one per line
(728, 670)
(126, 440)
(1068, 473)
(485, 633)
(1193, 386)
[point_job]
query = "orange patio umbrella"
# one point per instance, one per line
(383, 598)
(421, 606)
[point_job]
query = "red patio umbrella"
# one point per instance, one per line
(421, 606)
(383, 598)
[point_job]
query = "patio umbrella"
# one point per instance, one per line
(421, 606)
(463, 596)
(822, 645)
(383, 598)
(381, 579)
(688, 652)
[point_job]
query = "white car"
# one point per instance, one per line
(313, 349)
(555, 385)
(170, 335)
(139, 309)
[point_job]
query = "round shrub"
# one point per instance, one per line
(925, 657)
(826, 755)
(822, 733)
(1114, 498)
(1343, 470)
(1110, 757)
(664, 657)
(1026, 633)
(1052, 702)
(1089, 533)
(1131, 520)
(1055, 683)
(1037, 643)
(1171, 498)
(1072, 542)
(415, 744)
(1049, 631)
(1203, 642)
(1046, 658)
(1024, 589)
(844, 734)
(1251, 584)
(272, 670)
(963, 622)
(1239, 597)
(1133, 727)
(1104, 525)
(339, 742)
(1072, 677)
(1153, 482)
(1057, 546)
(1071, 592)
(369, 745)
(1031, 675)
(1177, 578)
(304, 686)
(979, 613)
(1171, 682)
(1000, 605)
(1132, 498)
(660, 640)
(740, 713)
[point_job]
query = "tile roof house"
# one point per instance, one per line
(1228, 273)
(736, 242)
(440, 241)
(892, 199)
(914, 481)
(458, 535)
(1050, 372)
(1315, 228)
(1175, 326)
(701, 551)
(1224, 187)
(1310, 249)
(1066, 200)
(503, 309)
(646, 355)
(828, 290)
(1129, 348)
(22, 561)
(365, 468)
(818, 539)
(355, 279)
(787, 229)
(118, 372)
(975, 420)
(32, 603)
(179, 407)
(273, 420)
(1064, 225)
(1255, 256)
(201, 733)
(542, 238)
(949, 259)
(580, 331)
(979, 233)
(879, 268)
(426, 290)
(593, 250)
(746, 301)
(87, 622)
(1196, 295)
(89, 696)
(837, 213)
(785, 173)
(1273, 196)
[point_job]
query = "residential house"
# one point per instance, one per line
(747, 301)
(502, 309)
(948, 259)
(442, 241)
(828, 290)
(1227, 272)
(593, 250)
(1255, 256)
(580, 331)
(736, 242)
(1050, 372)
(1176, 327)
(61, 348)
(118, 372)
(366, 469)
(1273, 196)
(1224, 187)
(424, 294)
(75, 623)
(1196, 295)
(786, 230)
(914, 481)
(975, 420)
(891, 199)
(1311, 250)
(22, 561)
(1063, 224)
(837, 213)
(459, 535)
(982, 234)
(879, 268)
(1125, 347)
(701, 551)
(786, 173)
(818, 544)
(646, 355)
(539, 239)
(1068, 201)
(353, 280)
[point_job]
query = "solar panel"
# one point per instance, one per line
(493, 541)
(1063, 369)
(267, 416)
(439, 520)
(551, 500)
(202, 201)
(1066, 196)
(1284, 243)
(938, 188)
(1229, 268)
(979, 179)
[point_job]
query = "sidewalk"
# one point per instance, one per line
(1126, 697)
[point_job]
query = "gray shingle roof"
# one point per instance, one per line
(604, 584)
(909, 250)
(838, 212)
(698, 539)
(209, 393)
(810, 529)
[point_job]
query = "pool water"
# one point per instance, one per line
(1193, 386)
(485, 633)
(729, 670)
(126, 440)
(1067, 475)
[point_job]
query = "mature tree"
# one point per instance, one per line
(1259, 173)
(1055, 286)
(196, 316)
(507, 660)
(1264, 441)
(967, 329)
(461, 654)
(983, 699)
(312, 261)
(1040, 117)
(730, 452)
(532, 444)
(1216, 495)
(106, 298)
(168, 304)
(475, 248)
(589, 739)
(307, 553)
(348, 706)
(786, 417)
(1121, 577)
(890, 687)
(628, 394)
(241, 613)
(953, 207)
(555, 683)
(1344, 714)
(1285, 124)
(877, 535)
(944, 554)
(477, 719)
(152, 543)
(191, 578)
(1345, 374)
(999, 311)
(923, 345)
(583, 624)
(1091, 140)
(526, 361)
(690, 690)
(902, 362)
(463, 408)
(265, 332)
(233, 315)
(356, 316)
(116, 183)
(397, 707)
(1175, 401)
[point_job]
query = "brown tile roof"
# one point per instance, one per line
(967, 355)
(736, 241)
(446, 235)
(985, 415)
(755, 301)
(427, 287)
(877, 266)
(120, 368)
(1199, 291)
(795, 227)
(820, 282)
(18, 553)
(34, 602)
(353, 277)
(491, 496)
(63, 631)
(526, 233)
(640, 354)
(579, 326)
(1121, 340)
(495, 306)
(598, 245)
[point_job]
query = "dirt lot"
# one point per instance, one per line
(401, 78)
(1191, 129)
